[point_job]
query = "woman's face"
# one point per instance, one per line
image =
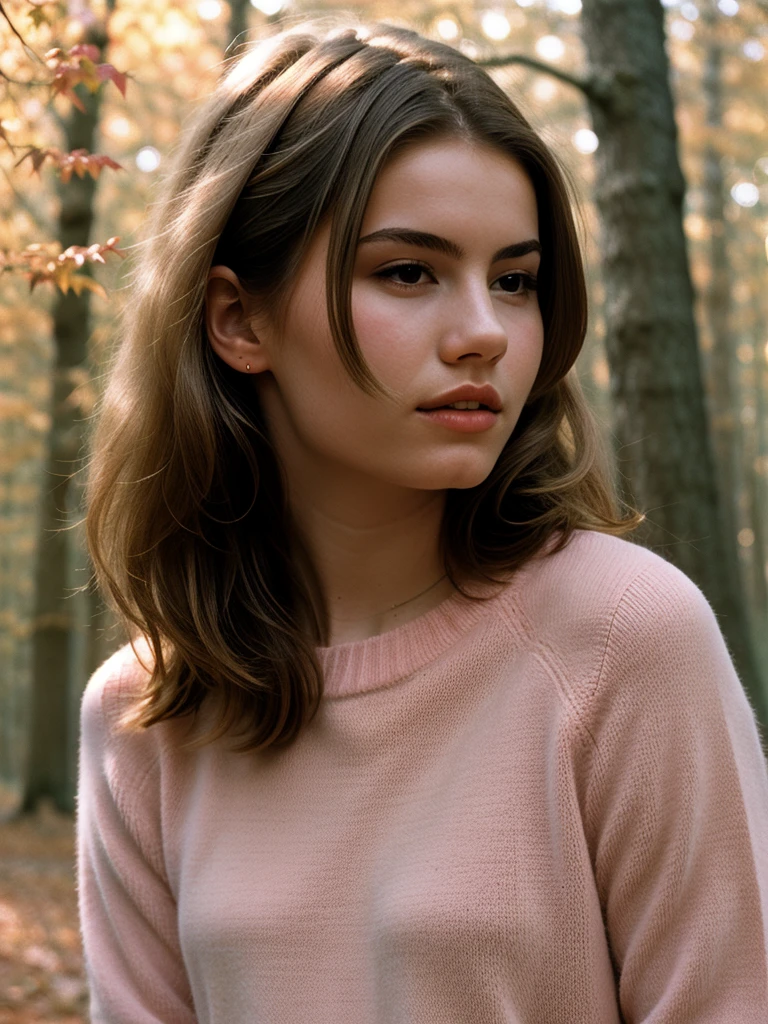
(443, 296)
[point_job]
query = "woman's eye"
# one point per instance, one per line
(404, 273)
(516, 284)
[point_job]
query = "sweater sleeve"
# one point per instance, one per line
(677, 813)
(127, 911)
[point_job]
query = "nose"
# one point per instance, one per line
(473, 331)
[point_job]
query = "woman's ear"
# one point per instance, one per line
(228, 323)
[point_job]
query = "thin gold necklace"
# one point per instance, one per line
(420, 594)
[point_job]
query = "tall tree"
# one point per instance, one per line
(651, 341)
(725, 403)
(48, 771)
(237, 29)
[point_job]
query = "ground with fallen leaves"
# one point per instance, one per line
(41, 959)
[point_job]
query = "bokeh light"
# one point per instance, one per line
(268, 6)
(495, 25)
(550, 47)
(447, 27)
(753, 49)
(746, 537)
(681, 30)
(729, 8)
(689, 11)
(745, 193)
(585, 140)
(148, 159)
(209, 10)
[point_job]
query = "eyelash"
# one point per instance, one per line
(529, 282)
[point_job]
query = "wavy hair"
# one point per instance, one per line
(188, 522)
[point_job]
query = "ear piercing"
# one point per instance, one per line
(247, 366)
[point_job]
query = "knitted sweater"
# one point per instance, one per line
(548, 808)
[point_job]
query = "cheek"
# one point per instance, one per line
(391, 343)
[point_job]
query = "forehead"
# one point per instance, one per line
(452, 183)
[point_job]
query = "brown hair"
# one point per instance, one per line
(188, 523)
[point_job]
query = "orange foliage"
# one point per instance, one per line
(79, 160)
(77, 66)
(42, 262)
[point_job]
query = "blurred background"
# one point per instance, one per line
(658, 112)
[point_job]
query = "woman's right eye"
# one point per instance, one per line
(404, 273)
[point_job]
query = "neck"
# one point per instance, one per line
(373, 546)
(373, 551)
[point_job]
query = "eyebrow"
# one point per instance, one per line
(426, 240)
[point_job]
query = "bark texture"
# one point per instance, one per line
(723, 388)
(665, 452)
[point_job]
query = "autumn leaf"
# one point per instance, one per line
(36, 157)
(78, 66)
(79, 162)
(79, 283)
(107, 72)
(40, 15)
(42, 264)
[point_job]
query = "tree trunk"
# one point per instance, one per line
(651, 345)
(717, 296)
(758, 477)
(49, 771)
(237, 29)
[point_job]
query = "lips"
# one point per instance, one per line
(485, 394)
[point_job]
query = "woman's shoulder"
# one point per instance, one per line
(595, 569)
(117, 685)
(573, 600)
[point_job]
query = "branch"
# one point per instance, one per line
(594, 88)
(19, 36)
(16, 81)
(25, 205)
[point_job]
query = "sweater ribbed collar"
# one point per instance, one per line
(363, 665)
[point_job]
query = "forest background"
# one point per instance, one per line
(658, 111)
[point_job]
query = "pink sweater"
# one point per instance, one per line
(551, 808)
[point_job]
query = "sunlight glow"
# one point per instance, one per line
(681, 30)
(209, 10)
(117, 127)
(268, 6)
(550, 47)
(565, 6)
(745, 193)
(585, 140)
(689, 11)
(148, 159)
(753, 49)
(447, 27)
(495, 25)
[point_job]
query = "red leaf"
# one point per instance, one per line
(107, 72)
(86, 50)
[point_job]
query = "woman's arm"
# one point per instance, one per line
(677, 813)
(127, 912)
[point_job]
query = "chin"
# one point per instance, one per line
(455, 477)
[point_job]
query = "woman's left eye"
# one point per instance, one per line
(404, 273)
(517, 283)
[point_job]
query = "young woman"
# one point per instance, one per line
(408, 731)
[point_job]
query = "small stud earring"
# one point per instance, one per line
(247, 366)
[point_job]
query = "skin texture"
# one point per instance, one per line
(367, 476)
